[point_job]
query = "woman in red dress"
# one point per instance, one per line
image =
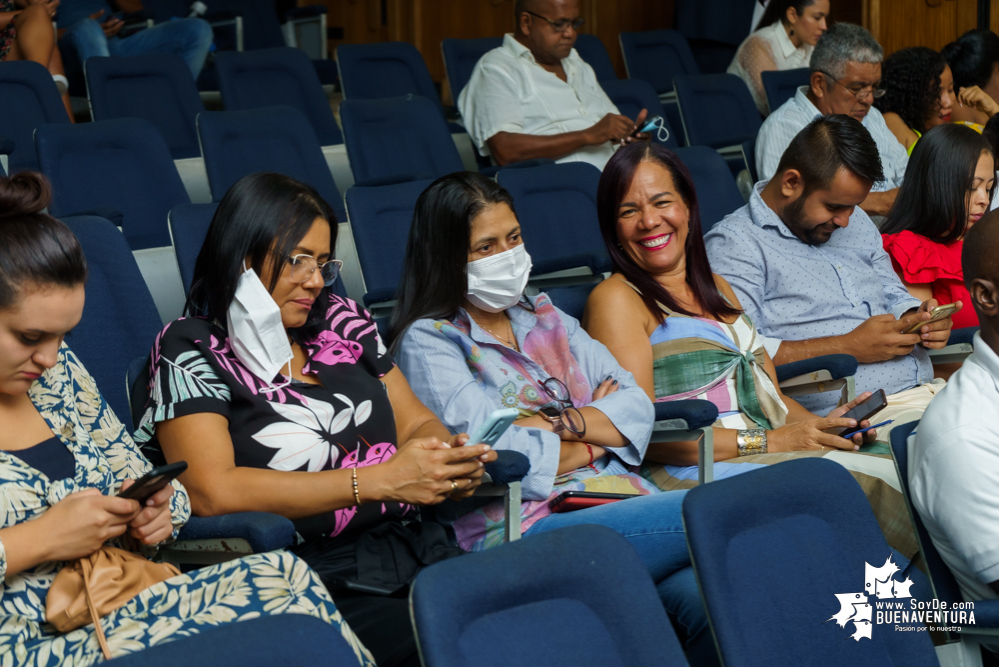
(948, 186)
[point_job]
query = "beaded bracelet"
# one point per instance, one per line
(357, 496)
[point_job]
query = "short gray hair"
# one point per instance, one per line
(843, 43)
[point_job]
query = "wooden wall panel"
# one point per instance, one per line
(898, 24)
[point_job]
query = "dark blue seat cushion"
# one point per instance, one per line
(697, 414)
(838, 365)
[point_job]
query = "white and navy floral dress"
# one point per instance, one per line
(100, 454)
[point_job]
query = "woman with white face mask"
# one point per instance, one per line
(471, 342)
(282, 398)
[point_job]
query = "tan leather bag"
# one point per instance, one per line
(90, 588)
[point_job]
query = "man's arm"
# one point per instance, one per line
(878, 203)
(507, 147)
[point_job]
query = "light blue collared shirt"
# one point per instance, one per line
(439, 374)
(796, 291)
(790, 118)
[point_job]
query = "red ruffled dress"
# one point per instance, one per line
(922, 261)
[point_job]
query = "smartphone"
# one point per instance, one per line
(873, 405)
(937, 314)
(153, 481)
(116, 16)
(570, 501)
(865, 430)
(495, 425)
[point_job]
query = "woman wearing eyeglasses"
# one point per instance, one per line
(281, 397)
(471, 342)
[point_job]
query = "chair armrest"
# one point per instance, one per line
(839, 366)
(262, 530)
(309, 11)
(492, 171)
(957, 336)
(108, 213)
(958, 347)
(508, 467)
(685, 415)
(392, 180)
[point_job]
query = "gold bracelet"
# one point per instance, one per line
(357, 496)
(751, 441)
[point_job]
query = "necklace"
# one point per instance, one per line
(509, 342)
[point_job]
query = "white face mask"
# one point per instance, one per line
(497, 282)
(256, 332)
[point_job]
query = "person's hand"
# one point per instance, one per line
(936, 334)
(153, 523)
(858, 438)
(421, 472)
(639, 122)
(810, 434)
(605, 388)
(880, 338)
(973, 96)
(111, 27)
(82, 522)
(612, 127)
(50, 5)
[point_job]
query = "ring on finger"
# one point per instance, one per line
(454, 486)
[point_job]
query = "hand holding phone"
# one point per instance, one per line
(874, 404)
(154, 480)
(937, 314)
(495, 426)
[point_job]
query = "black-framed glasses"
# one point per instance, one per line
(860, 93)
(571, 417)
(562, 24)
(303, 266)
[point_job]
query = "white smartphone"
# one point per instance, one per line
(937, 314)
(495, 425)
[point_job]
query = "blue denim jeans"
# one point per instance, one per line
(653, 525)
(188, 38)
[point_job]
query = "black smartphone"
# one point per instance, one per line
(153, 481)
(873, 405)
(117, 15)
(570, 501)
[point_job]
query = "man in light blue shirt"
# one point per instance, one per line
(845, 78)
(809, 268)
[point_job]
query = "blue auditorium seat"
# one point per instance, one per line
(156, 87)
(460, 58)
(384, 69)
(717, 110)
(380, 218)
(278, 139)
(30, 98)
(557, 208)
(592, 50)
(396, 139)
(782, 85)
(188, 225)
(769, 575)
(254, 79)
(630, 96)
(657, 56)
(124, 164)
(547, 600)
(717, 193)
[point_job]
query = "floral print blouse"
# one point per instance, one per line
(67, 398)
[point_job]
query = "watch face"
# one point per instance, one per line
(551, 413)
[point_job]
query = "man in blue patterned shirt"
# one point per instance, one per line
(809, 268)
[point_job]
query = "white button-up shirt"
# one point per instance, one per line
(783, 125)
(510, 92)
(954, 472)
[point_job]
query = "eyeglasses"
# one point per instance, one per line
(572, 418)
(860, 93)
(562, 24)
(303, 266)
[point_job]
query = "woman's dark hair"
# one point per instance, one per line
(434, 278)
(614, 184)
(972, 58)
(35, 248)
(912, 85)
(777, 9)
(260, 213)
(932, 201)
(991, 136)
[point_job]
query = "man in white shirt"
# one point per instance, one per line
(954, 457)
(535, 97)
(845, 77)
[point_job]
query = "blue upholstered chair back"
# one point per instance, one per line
(717, 110)
(592, 50)
(771, 548)
(123, 164)
(571, 299)
(460, 58)
(254, 79)
(120, 321)
(188, 228)
(278, 139)
(780, 86)
(384, 69)
(380, 218)
(557, 208)
(630, 96)
(717, 193)
(657, 56)
(547, 600)
(29, 99)
(157, 87)
(398, 138)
